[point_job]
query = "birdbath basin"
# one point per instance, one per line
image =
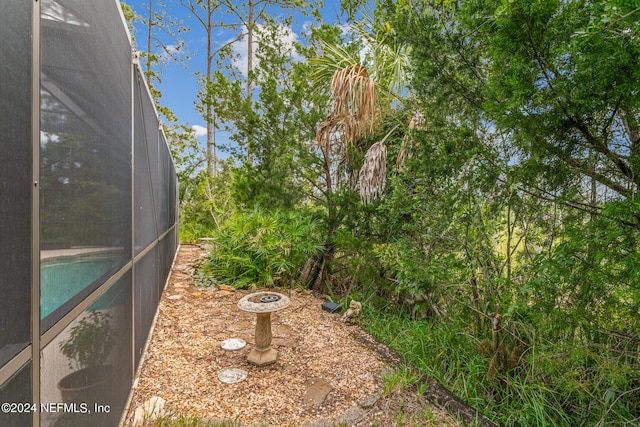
(263, 304)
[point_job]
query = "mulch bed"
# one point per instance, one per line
(184, 358)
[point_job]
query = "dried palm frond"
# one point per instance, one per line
(351, 130)
(323, 134)
(373, 173)
(353, 115)
(334, 57)
(374, 170)
(336, 124)
(353, 110)
(354, 94)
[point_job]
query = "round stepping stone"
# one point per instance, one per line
(232, 375)
(233, 344)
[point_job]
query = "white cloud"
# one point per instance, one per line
(345, 30)
(287, 38)
(199, 131)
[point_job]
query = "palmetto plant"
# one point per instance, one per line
(262, 248)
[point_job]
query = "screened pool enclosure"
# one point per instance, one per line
(88, 213)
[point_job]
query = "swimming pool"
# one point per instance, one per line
(64, 277)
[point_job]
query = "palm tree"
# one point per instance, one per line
(360, 81)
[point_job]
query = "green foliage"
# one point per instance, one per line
(262, 248)
(163, 45)
(399, 379)
(516, 195)
(205, 203)
(130, 16)
(271, 131)
(546, 388)
(90, 341)
(412, 272)
(572, 310)
(520, 200)
(590, 280)
(558, 76)
(182, 420)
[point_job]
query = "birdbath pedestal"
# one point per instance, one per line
(263, 304)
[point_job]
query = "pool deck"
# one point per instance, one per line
(72, 252)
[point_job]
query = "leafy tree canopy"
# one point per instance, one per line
(558, 78)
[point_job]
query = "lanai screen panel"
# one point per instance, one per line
(16, 182)
(17, 389)
(147, 296)
(67, 203)
(146, 140)
(85, 151)
(108, 374)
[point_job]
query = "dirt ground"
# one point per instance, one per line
(328, 372)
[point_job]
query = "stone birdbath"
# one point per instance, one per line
(263, 304)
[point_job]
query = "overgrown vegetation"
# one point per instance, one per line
(469, 170)
(259, 248)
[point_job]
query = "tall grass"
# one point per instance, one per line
(553, 385)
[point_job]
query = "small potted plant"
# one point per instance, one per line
(87, 349)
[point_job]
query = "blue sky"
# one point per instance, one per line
(179, 82)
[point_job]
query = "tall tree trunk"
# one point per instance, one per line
(211, 161)
(250, 25)
(149, 27)
(215, 146)
(317, 272)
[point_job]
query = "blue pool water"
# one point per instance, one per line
(64, 277)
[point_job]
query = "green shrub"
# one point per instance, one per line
(262, 248)
(205, 203)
